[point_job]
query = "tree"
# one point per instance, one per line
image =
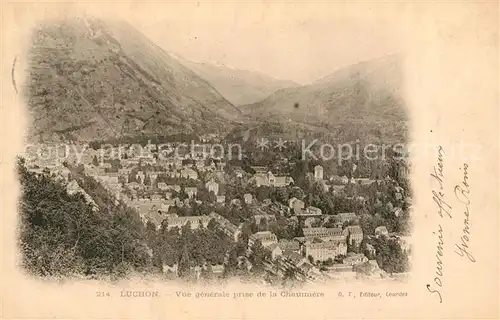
(253, 227)
(122, 180)
(184, 267)
(390, 256)
(311, 259)
(282, 195)
(263, 224)
(212, 225)
(339, 259)
(62, 235)
(289, 277)
(147, 180)
(231, 264)
(258, 256)
(364, 268)
(207, 273)
(132, 177)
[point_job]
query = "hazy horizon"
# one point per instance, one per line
(283, 45)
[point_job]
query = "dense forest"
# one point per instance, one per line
(60, 235)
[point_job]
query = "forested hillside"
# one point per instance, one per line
(60, 234)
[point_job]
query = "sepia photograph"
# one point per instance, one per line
(140, 161)
(326, 157)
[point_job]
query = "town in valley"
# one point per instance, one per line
(209, 218)
(139, 162)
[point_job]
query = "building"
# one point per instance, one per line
(162, 186)
(325, 234)
(259, 169)
(318, 173)
(266, 238)
(259, 217)
(269, 179)
(105, 165)
(398, 211)
(276, 251)
(325, 185)
(344, 217)
(156, 197)
(94, 171)
(194, 221)
(221, 199)
(147, 159)
(217, 269)
(108, 178)
(309, 222)
(140, 176)
(61, 173)
(165, 206)
(364, 181)
(174, 187)
(235, 202)
(226, 226)
(297, 261)
(353, 259)
(239, 172)
(342, 272)
(403, 168)
(247, 197)
(338, 189)
(354, 235)
(404, 242)
(191, 191)
(340, 180)
(188, 173)
(370, 249)
(323, 251)
(174, 174)
(200, 164)
(153, 176)
(311, 211)
(289, 245)
(285, 247)
(170, 269)
(124, 171)
(381, 231)
(153, 215)
(212, 186)
(296, 205)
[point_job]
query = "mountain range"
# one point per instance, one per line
(240, 87)
(361, 101)
(89, 79)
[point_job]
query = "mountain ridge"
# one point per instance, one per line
(89, 79)
(239, 86)
(365, 100)
(95, 80)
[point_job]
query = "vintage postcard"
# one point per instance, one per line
(249, 160)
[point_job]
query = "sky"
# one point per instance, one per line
(293, 41)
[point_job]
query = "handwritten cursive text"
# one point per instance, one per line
(462, 191)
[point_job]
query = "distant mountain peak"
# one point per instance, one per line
(238, 86)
